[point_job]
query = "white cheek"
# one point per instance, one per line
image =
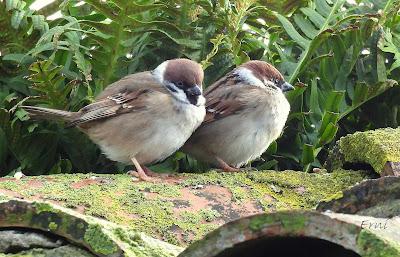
(248, 76)
(271, 84)
(201, 101)
(179, 94)
(158, 72)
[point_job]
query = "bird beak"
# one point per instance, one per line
(194, 95)
(194, 90)
(286, 87)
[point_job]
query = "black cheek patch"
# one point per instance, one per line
(192, 98)
(170, 88)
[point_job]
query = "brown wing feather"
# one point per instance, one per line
(228, 80)
(222, 103)
(141, 80)
(125, 95)
(127, 101)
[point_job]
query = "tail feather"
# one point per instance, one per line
(49, 114)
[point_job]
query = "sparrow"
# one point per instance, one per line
(142, 118)
(246, 111)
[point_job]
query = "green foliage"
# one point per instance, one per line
(344, 59)
(338, 56)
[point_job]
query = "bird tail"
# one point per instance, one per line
(41, 113)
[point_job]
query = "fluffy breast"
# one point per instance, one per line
(149, 135)
(176, 129)
(265, 124)
(244, 136)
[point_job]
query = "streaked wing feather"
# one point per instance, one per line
(124, 102)
(221, 104)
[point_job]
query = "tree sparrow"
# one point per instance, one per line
(144, 117)
(245, 112)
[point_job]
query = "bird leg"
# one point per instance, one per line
(226, 167)
(139, 173)
(149, 172)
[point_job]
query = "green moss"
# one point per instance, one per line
(389, 208)
(142, 246)
(3, 198)
(259, 222)
(99, 241)
(44, 207)
(333, 197)
(299, 190)
(293, 222)
(148, 207)
(193, 226)
(372, 246)
(255, 185)
(12, 184)
(53, 226)
(162, 189)
(239, 194)
(101, 237)
(290, 222)
(209, 214)
(375, 147)
(12, 218)
(62, 251)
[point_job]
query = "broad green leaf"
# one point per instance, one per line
(308, 154)
(292, 32)
(334, 101)
(284, 6)
(305, 26)
(317, 19)
(314, 103)
(372, 92)
(3, 146)
(16, 18)
(328, 135)
(39, 23)
(103, 8)
(322, 7)
(328, 117)
(268, 165)
(272, 148)
(310, 46)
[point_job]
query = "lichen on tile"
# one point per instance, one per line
(374, 147)
(182, 209)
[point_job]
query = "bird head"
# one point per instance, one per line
(263, 74)
(183, 78)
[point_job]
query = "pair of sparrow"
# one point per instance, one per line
(145, 117)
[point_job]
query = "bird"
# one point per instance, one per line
(246, 110)
(142, 118)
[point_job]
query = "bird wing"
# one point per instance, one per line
(129, 94)
(226, 101)
(131, 82)
(113, 105)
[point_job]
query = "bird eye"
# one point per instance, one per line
(180, 84)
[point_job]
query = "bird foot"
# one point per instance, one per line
(139, 176)
(147, 175)
(228, 168)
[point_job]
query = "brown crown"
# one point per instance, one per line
(263, 70)
(186, 71)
